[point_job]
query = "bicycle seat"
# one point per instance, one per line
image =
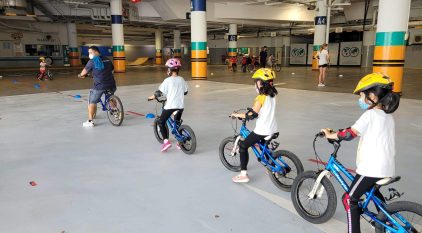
(271, 137)
(388, 180)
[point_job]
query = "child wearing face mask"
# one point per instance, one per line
(376, 150)
(174, 88)
(264, 107)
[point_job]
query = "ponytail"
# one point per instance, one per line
(390, 102)
(268, 88)
(388, 99)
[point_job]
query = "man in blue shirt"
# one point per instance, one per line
(102, 72)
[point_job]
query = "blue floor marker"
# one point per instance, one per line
(150, 115)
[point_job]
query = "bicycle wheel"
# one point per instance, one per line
(157, 131)
(319, 209)
(284, 182)
(411, 211)
(277, 67)
(49, 75)
(189, 145)
(115, 112)
(230, 162)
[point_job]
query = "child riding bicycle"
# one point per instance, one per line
(264, 110)
(376, 150)
(43, 69)
(174, 88)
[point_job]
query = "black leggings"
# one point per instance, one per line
(164, 117)
(249, 141)
(359, 186)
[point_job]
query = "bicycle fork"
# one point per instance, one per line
(236, 146)
(318, 189)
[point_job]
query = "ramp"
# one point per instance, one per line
(139, 61)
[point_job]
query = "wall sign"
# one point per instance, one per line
(321, 20)
(298, 54)
(232, 37)
(350, 53)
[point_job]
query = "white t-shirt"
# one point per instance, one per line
(266, 123)
(376, 150)
(174, 89)
(323, 57)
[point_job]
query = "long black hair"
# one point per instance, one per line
(387, 99)
(268, 88)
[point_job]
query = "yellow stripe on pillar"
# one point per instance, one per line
(119, 61)
(199, 69)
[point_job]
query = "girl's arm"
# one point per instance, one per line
(347, 134)
(256, 107)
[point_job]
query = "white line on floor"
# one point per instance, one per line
(416, 125)
(279, 84)
(333, 225)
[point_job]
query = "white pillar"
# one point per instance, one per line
(119, 59)
(368, 48)
(177, 52)
(158, 47)
(74, 55)
(199, 39)
(320, 29)
(285, 57)
(232, 50)
(390, 43)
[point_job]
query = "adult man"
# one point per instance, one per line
(102, 72)
(263, 57)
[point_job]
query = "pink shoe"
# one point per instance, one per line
(178, 146)
(241, 179)
(166, 145)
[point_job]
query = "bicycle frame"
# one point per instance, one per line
(174, 128)
(105, 102)
(335, 168)
(262, 153)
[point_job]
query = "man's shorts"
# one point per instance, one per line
(95, 95)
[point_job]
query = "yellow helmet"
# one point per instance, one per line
(373, 80)
(42, 58)
(264, 74)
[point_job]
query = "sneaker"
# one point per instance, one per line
(320, 85)
(241, 179)
(166, 146)
(88, 124)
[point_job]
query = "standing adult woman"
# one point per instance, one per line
(323, 61)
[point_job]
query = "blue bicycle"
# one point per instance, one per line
(182, 133)
(283, 166)
(112, 104)
(314, 198)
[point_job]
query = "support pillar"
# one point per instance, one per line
(390, 44)
(158, 47)
(74, 55)
(232, 50)
(119, 59)
(285, 55)
(368, 48)
(177, 52)
(320, 29)
(199, 39)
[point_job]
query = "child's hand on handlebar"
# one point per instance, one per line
(151, 98)
(329, 133)
(80, 76)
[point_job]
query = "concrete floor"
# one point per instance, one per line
(107, 179)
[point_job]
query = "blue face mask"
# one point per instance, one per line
(362, 104)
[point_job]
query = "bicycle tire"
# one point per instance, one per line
(400, 206)
(277, 68)
(230, 166)
(115, 118)
(188, 150)
(299, 205)
(157, 131)
(275, 177)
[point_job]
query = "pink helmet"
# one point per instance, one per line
(173, 63)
